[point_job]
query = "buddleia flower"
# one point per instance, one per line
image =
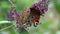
(13, 15)
(10, 15)
(41, 6)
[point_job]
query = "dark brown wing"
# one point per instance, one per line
(35, 14)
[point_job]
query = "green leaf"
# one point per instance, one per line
(2, 22)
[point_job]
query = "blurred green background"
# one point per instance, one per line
(50, 21)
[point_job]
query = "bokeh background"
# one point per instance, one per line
(50, 21)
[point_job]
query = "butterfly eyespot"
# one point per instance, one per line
(37, 23)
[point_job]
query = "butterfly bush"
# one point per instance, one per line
(41, 8)
(10, 17)
(12, 14)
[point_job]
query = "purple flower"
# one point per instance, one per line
(10, 16)
(42, 7)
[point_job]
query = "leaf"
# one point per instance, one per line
(5, 24)
(2, 22)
